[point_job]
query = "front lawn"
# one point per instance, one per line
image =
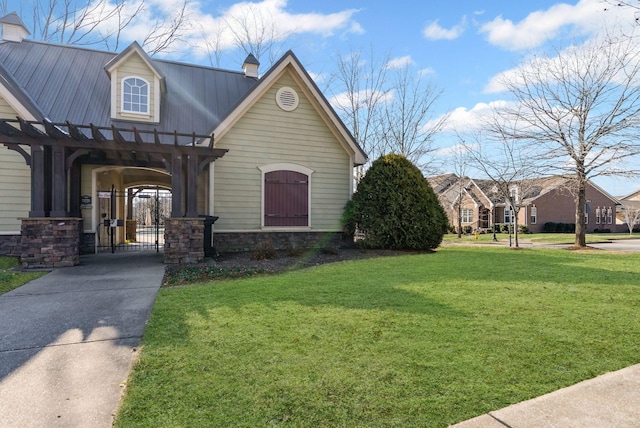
(10, 279)
(537, 238)
(417, 340)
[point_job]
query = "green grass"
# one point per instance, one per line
(540, 238)
(10, 279)
(418, 340)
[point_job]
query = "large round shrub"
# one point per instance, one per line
(395, 207)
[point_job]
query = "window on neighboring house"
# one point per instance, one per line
(587, 208)
(286, 198)
(609, 215)
(534, 214)
(508, 215)
(598, 215)
(135, 95)
(467, 215)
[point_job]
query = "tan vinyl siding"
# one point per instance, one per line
(15, 183)
(135, 66)
(265, 135)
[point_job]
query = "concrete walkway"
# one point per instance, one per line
(68, 340)
(611, 400)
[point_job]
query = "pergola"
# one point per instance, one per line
(58, 150)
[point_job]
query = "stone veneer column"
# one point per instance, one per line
(49, 242)
(183, 240)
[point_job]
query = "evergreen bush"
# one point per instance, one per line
(394, 207)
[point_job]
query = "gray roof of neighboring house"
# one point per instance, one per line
(69, 83)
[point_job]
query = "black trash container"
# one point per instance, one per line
(209, 249)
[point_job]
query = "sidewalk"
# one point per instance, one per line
(69, 338)
(611, 400)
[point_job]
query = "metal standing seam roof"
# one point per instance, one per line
(69, 83)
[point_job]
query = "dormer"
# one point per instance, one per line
(136, 86)
(13, 29)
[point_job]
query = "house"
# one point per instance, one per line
(542, 201)
(628, 212)
(84, 132)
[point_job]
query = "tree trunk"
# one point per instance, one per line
(459, 220)
(581, 200)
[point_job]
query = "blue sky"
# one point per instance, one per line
(463, 44)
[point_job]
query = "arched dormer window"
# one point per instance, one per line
(135, 95)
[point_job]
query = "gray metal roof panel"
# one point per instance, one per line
(69, 83)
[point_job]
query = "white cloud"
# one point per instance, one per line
(344, 100)
(400, 62)
(571, 61)
(585, 17)
(463, 119)
(433, 31)
(208, 29)
(455, 150)
(429, 71)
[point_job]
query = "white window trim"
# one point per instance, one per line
(123, 111)
(468, 217)
(283, 166)
(534, 215)
(511, 215)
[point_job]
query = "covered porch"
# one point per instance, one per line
(59, 154)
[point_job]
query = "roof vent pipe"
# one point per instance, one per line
(13, 29)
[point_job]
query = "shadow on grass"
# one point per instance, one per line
(418, 284)
(420, 340)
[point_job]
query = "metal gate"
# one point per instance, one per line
(132, 220)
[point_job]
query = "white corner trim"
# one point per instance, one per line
(15, 105)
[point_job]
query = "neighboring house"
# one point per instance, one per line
(96, 122)
(542, 200)
(629, 211)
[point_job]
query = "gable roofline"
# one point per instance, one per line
(265, 82)
(18, 98)
(604, 192)
(484, 195)
(133, 48)
(625, 197)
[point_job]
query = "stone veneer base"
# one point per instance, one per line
(183, 240)
(50, 242)
(10, 245)
(250, 241)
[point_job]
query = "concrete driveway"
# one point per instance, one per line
(619, 245)
(68, 340)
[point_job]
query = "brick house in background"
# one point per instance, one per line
(542, 200)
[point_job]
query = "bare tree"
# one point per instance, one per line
(631, 215)
(580, 108)
(633, 5)
(255, 32)
(460, 162)
(507, 162)
(359, 91)
(102, 22)
(408, 124)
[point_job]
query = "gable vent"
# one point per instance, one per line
(287, 98)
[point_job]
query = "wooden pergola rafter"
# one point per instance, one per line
(58, 150)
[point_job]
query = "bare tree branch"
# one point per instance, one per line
(408, 128)
(580, 108)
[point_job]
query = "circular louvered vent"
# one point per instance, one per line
(287, 98)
